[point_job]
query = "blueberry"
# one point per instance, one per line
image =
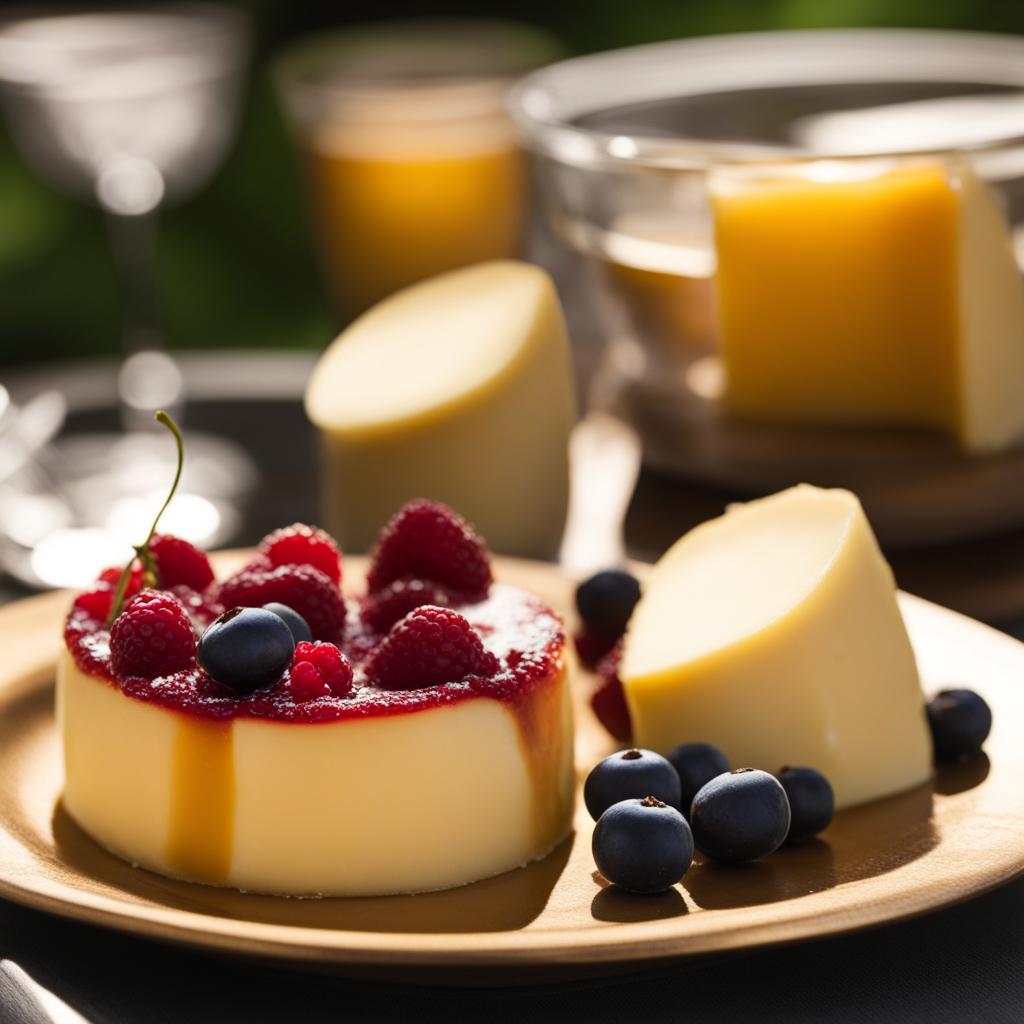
(606, 601)
(295, 622)
(811, 802)
(246, 649)
(696, 764)
(627, 775)
(960, 721)
(643, 846)
(740, 816)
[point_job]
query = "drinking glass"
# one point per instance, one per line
(131, 109)
(412, 164)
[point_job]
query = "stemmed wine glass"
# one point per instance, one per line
(131, 109)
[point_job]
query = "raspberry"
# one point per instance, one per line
(258, 562)
(319, 670)
(303, 588)
(113, 574)
(608, 701)
(592, 646)
(95, 603)
(383, 609)
(428, 540)
(429, 646)
(202, 608)
(299, 544)
(178, 561)
(152, 637)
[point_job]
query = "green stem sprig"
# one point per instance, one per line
(142, 552)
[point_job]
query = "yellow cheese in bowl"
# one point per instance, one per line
(852, 296)
(773, 632)
(459, 389)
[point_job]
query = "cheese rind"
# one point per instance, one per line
(773, 632)
(888, 298)
(458, 389)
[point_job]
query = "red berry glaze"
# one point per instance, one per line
(430, 646)
(180, 562)
(427, 540)
(152, 637)
(303, 588)
(382, 610)
(319, 670)
(524, 636)
(299, 544)
(608, 701)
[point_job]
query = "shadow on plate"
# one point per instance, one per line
(862, 842)
(505, 903)
(612, 904)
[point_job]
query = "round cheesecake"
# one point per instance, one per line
(377, 792)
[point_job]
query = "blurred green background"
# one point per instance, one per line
(235, 263)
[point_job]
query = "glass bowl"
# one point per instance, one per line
(623, 143)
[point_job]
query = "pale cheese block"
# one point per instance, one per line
(460, 389)
(848, 295)
(773, 632)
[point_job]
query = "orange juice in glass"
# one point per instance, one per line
(412, 165)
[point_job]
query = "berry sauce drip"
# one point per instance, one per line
(516, 627)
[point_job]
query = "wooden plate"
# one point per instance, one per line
(924, 849)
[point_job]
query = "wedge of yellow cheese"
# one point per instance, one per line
(459, 389)
(848, 296)
(773, 632)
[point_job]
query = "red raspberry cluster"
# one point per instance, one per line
(383, 609)
(303, 588)
(180, 563)
(319, 670)
(428, 541)
(426, 554)
(429, 646)
(427, 559)
(300, 544)
(298, 566)
(152, 637)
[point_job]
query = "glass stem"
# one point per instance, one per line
(149, 378)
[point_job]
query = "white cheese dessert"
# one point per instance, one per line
(363, 778)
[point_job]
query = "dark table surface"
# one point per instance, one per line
(962, 964)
